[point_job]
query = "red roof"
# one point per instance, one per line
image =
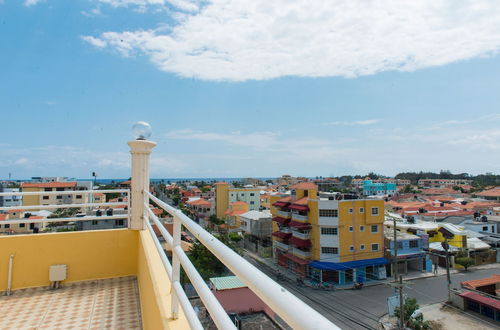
(239, 203)
(304, 186)
(49, 185)
(300, 225)
(3, 216)
(281, 235)
(491, 302)
(200, 202)
(495, 192)
(303, 243)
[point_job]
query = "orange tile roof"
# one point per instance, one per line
(221, 182)
(473, 284)
(233, 213)
(15, 211)
(200, 202)
(3, 216)
(126, 182)
(285, 199)
(49, 185)
(304, 186)
(36, 217)
(495, 192)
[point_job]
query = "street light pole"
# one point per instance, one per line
(395, 251)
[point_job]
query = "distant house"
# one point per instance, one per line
(371, 188)
(490, 194)
(257, 223)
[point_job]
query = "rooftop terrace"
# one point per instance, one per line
(122, 278)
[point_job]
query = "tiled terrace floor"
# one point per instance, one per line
(102, 304)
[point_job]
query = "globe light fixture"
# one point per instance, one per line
(141, 130)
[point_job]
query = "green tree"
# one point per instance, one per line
(409, 307)
(205, 262)
(465, 262)
(216, 221)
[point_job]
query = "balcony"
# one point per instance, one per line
(301, 253)
(284, 214)
(298, 217)
(286, 230)
(122, 278)
(281, 245)
(302, 235)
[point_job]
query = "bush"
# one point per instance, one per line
(465, 262)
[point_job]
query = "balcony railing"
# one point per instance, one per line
(301, 235)
(284, 214)
(281, 245)
(299, 217)
(301, 253)
(286, 230)
(140, 217)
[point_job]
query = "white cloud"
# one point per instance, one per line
(93, 12)
(261, 39)
(95, 41)
(356, 122)
(29, 3)
(142, 5)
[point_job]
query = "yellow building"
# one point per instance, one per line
(51, 199)
(232, 215)
(335, 238)
(225, 195)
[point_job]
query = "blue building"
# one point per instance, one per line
(371, 188)
(411, 254)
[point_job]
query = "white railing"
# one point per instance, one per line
(299, 217)
(283, 214)
(23, 208)
(281, 245)
(300, 253)
(291, 309)
(305, 235)
(286, 230)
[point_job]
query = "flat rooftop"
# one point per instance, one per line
(100, 304)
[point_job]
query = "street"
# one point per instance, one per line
(361, 309)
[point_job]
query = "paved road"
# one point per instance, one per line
(361, 309)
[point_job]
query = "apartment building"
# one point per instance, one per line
(225, 195)
(51, 199)
(371, 188)
(442, 183)
(9, 201)
(335, 239)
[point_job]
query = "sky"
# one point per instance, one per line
(249, 88)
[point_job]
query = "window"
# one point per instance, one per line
(329, 213)
(94, 222)
(60, 189)
(329, 231)
(45, 197)
(48, 189)
(414, 244)
(351, 248)
(361, 228)
(374, 228)
(232, 195)
(252, 202)
(119, 222)
(79, 196)
(375, 247)
(329, 250)
(242, 194)
(7, 226)
(361, 210)
(362, 247)
(485, 228)
(374, 210)
(350, 211)
(399, 245)
(350, 228)
(22, 225)
(252, 194)
(59, 196)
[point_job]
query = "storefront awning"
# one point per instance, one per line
(281, 235)
(280, 220)
(299, 225)
(303, 243)
(349, 264)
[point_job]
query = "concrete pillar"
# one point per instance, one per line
(140, 150)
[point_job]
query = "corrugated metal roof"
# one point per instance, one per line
(227, 282)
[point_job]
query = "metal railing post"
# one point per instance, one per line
(176, 265)
(140, 150)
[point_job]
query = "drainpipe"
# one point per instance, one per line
(9, 278)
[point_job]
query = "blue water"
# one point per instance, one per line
(172, 180)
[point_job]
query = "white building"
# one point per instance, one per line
(8, 201)
(257, 223)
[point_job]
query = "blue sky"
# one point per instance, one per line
(249, 88)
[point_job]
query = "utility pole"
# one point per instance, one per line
(401, 303)
(395, 251)
(446, 247)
